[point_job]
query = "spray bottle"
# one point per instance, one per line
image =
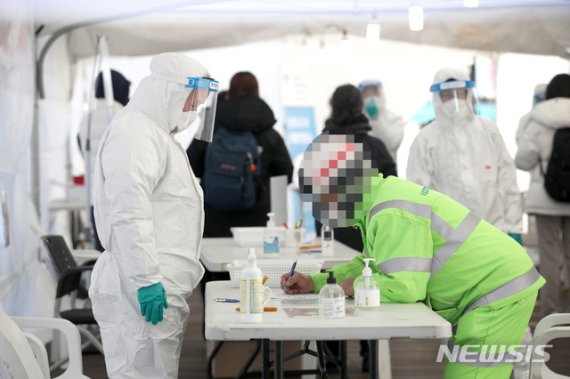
(251, 299)
(327, 241)
(366, 289)
(270, 236)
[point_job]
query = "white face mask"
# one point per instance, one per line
(186, 119)
(456, 111)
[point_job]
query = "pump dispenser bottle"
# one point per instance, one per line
(251, 285)
(331, 299)
(366, 289)
(270, 236)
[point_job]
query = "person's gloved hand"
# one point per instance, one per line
(517, 237)
(152, 300)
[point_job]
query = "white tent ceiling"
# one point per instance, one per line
(137, 27)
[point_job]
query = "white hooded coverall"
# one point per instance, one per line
(466, 158)
(388, 127)
(149, 214)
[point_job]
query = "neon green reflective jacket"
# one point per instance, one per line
(430, 248)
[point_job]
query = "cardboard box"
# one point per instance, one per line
(233, 355)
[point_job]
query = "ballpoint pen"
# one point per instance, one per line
(225, 300)
(292, 271)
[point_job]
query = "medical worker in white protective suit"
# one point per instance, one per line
(149, 210)
(386, 125)
(463, 156)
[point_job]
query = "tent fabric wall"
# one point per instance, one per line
(538, 30)
(25, 287)
(54, 126)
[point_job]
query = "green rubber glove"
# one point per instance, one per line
(153, 301)
(517, 237)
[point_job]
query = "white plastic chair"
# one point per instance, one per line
(549, 328)
(24, 356)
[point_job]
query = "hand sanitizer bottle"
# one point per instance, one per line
(251, 286)
(366, 289)
(270, 236)
(331, 299)
(327, 241)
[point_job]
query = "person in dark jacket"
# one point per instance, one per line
(242, 109)
(347, 117)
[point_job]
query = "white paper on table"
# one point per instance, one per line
(311, 312)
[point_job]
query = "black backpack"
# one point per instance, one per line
(557, 176)
(231, 171)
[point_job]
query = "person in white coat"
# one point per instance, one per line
(93, 126)
(538, 97)
(386, 125)
(552, 217)
(463, 156)
(149, 210)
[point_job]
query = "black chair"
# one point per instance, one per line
(69, 283)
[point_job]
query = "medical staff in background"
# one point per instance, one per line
(386, 125)
(93, 125)
(464, 156)
(427, 247)
(149, 210)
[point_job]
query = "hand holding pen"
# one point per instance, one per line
(296, 283)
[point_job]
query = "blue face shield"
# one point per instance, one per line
(204, 97)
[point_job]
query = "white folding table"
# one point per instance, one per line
(217, 253)
(288, 323)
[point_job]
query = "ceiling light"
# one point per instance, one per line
(416, 17)
(373, 31)
(471, 3)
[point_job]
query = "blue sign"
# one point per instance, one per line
(300, 130)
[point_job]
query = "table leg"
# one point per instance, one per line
(278, 359)
(213, 354)
(373, 357)
(343, 360)
(265, 370)
(250, 360)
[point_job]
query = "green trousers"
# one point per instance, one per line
(487, 325)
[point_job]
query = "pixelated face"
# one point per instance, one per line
(334, 176)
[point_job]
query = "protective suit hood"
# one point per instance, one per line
(441, 116)
(161, 95)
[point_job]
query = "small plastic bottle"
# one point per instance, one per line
(270, 236)
(331, 299)
(327, 241)
(366, 288)
(251, 285)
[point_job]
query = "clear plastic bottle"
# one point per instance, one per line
(327, 241)
(271, 236)
(331, 299)
(366, 288)
(251, 286)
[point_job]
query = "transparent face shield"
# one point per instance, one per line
(202, 99)
(454, 91)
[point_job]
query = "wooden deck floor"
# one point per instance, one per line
(410, 358)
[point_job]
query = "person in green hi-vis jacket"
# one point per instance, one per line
(428, 248)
